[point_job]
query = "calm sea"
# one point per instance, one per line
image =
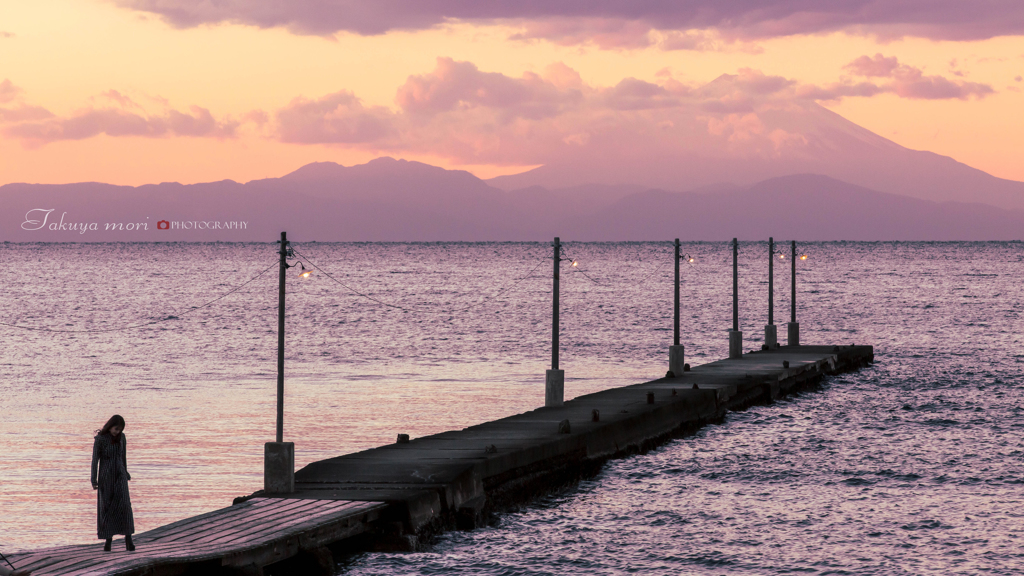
(912, 466)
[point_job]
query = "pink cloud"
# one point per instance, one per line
(8, 91)
(755, 82)
(910, 82)
(91, 122)
(611, 23)
(257, 117)
(605, 33)
(838, 91)
(695, 40)
(736, 128)
(456, 111)
(460, 84)
(120, 99)
(877, 66)
(24, 113)
(335, 118)
(633, 94)
(6, 34)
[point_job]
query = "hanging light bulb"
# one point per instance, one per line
(304, 273)
(803, 256)
(575, 263)
(782, 256)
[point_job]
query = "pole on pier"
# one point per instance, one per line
(735, 336)
(280, 337)
(554, 379)
(771, 333)
(793, 328)
(279, 456)
(676, 351)
(676, 358)
(675, 317)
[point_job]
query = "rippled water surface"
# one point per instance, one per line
(912, 466)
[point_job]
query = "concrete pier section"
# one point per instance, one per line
(455, 479)
(397, 497)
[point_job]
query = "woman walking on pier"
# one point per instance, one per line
(110, 479)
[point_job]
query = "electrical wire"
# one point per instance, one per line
(504, 290)
(169, 317)
(346, 286)
(500, 292)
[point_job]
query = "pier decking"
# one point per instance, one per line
(242, 538)
(399, 495)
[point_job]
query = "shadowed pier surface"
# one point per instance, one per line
(397, 496)
(240, 538)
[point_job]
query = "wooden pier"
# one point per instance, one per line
(398, 496)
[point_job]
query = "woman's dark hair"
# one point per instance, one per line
(115, 420)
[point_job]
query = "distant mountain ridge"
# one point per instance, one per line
(833, 146)
(398, 200)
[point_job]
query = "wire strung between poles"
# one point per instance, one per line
(653, 272)
(500, 292)
(381, 302)
(346, 286)
(134, 326)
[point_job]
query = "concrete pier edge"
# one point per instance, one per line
(532, 458)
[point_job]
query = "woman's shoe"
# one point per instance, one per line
(106, 545)
(128, 544)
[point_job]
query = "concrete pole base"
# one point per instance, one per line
(793, 331)
(735, 344)
(676, 360)
(771, 336)
(554, 388)
(279, 467)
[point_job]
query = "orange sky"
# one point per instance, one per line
(66, 63)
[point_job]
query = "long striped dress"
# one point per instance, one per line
(110, 474)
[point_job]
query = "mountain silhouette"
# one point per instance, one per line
(797, 138)
(398, 200)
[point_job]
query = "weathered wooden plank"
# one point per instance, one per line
(253, 531)
(293, 525)
(210, 518)
(67, 565)
(92, 559)
(197, 521)
(241, 523)
(49, 560)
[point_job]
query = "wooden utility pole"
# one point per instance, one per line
(280, 338)
(675, 331)
(771, 280)
(554, 305)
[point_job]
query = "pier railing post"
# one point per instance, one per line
(793, 328)
(279, 456)
(771, 333)
(676, 356)
(554, 379)
(735, 336)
